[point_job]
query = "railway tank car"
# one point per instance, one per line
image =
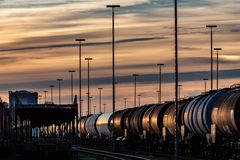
(152, 120)
(104, 124)
(169, 118)
(200, 118)
(226, 114)
(197, 114)
(90, 125)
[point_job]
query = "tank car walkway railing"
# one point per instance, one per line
(106, 154)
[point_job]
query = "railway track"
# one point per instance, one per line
(126, 156)
(106, 154)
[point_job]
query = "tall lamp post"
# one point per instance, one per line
(205, 84)
(100, 99)
(88, 93)
(176, 76)
(80, 84)
(135, 89)
(59, 90)
(113, 69)
(125, 103)
(211, 44)
(160, 83)
(217, 49)
(71, 72)
(52, 86)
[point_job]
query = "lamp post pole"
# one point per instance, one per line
(100, 99)
(80, 85)
(160, 83)
(217, 49)
(113, 69)
(176, 77)
(135, 89)
(211, 44)
(205, 84)
(88, 93)
(59, 90)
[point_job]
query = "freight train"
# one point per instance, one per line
(208, 126)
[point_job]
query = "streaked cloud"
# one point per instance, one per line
(37, 44)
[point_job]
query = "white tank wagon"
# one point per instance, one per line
(104, 124)
(90, 125)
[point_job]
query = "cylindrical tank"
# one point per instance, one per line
(82, 130)
(104, 124)
(127, 118)
(119, 117)
(146, 118)
(226, 114)
(197, 114)
(156, 118)
(136, 120)
(169, 119)
(90, 125)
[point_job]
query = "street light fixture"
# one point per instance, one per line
(59, 89)
(217, 49)
(52, 86)
(113, 68)
(211, 36)
(135, 89)
(160, 83)
(88, 93)
(71, 72)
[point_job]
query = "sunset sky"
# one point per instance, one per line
(37, 46)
